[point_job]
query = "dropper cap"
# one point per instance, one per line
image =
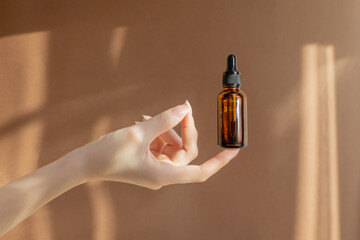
(231, 76)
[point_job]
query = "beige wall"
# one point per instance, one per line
(73, 70)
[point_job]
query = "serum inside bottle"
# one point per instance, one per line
(231, 109)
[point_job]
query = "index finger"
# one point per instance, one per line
(170, 137)
(189, 136)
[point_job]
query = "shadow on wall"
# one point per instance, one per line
(93, 67)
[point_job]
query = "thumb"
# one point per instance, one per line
(164, 121)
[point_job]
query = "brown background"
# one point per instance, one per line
(71, 71)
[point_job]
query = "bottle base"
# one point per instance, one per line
(232, 146)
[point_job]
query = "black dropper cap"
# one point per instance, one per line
(231, 76)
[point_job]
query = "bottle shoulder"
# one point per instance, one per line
(231, 93)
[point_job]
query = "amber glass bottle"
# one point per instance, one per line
(231, 105)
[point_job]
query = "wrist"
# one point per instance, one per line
(76, 160)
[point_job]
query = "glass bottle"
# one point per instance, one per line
(231, 109)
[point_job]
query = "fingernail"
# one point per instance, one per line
(136, 122)
(180, 111)
(188, 103)
(146, 117)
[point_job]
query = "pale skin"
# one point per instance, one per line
(149, 154)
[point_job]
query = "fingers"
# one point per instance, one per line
(164, 121)
(166, 149)
(157, 146)
(214, 164)
(170, 136)
(189, 136)
(170, 151)
(195, 173)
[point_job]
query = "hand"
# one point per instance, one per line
(151, 154)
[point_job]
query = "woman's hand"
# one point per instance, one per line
(151, 154)
(148, 154)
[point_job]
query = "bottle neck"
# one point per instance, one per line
(232, 87)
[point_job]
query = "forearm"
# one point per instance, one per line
(22, 197)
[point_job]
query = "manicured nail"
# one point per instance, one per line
(187, 103)
(180, 111)
(146, 117)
